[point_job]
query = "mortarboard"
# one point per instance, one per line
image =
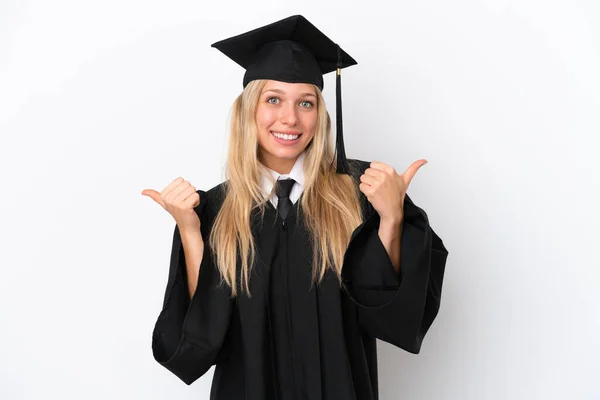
(292, 50)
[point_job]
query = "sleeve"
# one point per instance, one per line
(189, 334)
(396, 308)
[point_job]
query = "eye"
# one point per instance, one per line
(275, 100)
(306, 104)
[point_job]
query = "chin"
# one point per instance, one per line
(286, 154)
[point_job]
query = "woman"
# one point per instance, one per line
(284, 275)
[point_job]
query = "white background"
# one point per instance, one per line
(100, 100)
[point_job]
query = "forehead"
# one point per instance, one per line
(289, 88)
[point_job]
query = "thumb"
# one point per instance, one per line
(154, 195)
(412, 170)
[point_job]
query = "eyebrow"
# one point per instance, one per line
(282, 92)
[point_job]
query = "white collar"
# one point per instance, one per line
(297, 174)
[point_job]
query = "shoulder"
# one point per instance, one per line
(358, 166)
(216, 194)
(211, 200)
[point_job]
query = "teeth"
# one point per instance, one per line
(284, 136)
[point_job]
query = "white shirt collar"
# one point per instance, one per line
(297, 174)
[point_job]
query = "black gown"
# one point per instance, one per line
(289, 341)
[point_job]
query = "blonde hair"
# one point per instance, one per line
(330, 201)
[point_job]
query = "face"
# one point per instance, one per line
(286, 117)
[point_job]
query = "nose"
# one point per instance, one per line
(288, 115)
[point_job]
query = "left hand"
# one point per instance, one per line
(385, 189)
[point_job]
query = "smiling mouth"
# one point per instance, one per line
(284, 136)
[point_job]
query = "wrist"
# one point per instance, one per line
(188, 233)
(390, 226)
(392, 220)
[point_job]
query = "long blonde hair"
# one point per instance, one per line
(330, 201)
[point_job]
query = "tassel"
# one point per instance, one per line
(342, 163)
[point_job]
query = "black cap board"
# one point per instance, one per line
(291, 50)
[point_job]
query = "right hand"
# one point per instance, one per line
(179, 198)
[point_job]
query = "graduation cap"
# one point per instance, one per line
(292, 50)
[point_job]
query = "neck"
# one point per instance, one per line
(279, 165)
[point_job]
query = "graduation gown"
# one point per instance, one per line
(288, 341)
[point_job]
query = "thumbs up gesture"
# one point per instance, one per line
(179, 199)
(386, 189)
